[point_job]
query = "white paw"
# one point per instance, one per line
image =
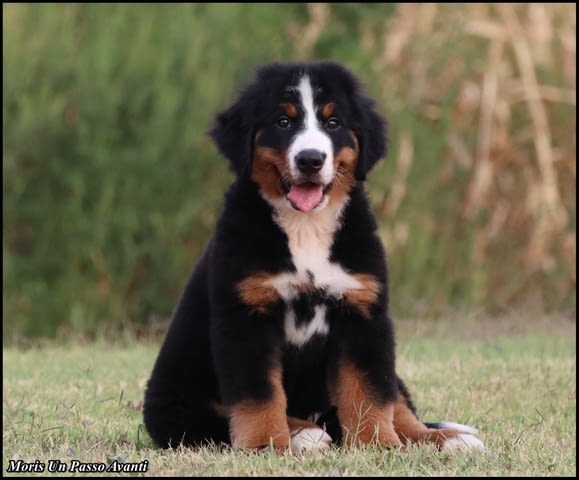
(463, 441)
(310, 440)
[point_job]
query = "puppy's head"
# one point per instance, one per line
(304, 132)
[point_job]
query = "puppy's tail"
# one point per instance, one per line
(457, 426)
(451, 436)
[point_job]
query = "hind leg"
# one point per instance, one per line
(446, 436)
(172, 423)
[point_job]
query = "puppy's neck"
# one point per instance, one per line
(309, 234)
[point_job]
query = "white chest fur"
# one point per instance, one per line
(310, 238)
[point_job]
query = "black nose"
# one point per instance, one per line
(310, 161)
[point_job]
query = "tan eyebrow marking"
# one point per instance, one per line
(290, 109)
(328, 109)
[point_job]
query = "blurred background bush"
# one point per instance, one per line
(112, 187)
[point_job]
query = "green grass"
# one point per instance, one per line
(514, 378)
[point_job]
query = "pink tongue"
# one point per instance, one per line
(306, 197)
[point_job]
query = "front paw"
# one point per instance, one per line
(462, 442)
(263, 443)
(310, 440)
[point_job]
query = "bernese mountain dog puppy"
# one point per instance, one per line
(282, 337)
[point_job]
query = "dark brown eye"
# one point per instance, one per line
(333, 123)
(283, 122)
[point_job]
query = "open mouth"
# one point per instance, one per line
(304, 196)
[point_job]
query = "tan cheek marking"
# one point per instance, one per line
(256, 424)
(290, 109)
(363, 421)
(268, 166)
(345, 161)
(256, 293)
(328, 110)
(364, 297)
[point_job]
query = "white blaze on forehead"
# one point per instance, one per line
(311, 136)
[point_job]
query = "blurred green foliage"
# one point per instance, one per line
(112, 187)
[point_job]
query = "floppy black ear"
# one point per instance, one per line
(371, 131)
(232, 134)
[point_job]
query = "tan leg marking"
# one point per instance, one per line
(410, 429)
(363, 421)
(256, 424)
(407, 426)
